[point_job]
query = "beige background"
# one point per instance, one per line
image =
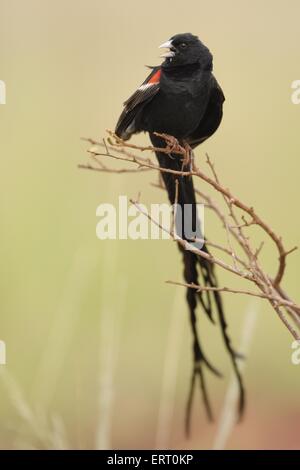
(67, 298)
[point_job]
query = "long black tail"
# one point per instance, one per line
(196, 267)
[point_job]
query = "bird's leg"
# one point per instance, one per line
(172, 143)
(188, 157)
(192, 167)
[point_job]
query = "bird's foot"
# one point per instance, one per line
(172, 144)
(188, 158)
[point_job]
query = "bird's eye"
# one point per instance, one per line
(183, 45)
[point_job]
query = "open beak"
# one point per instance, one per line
(167, 45)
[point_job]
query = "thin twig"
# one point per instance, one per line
(280, 302)
(247, 266)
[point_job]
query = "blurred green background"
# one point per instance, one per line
(88, 323)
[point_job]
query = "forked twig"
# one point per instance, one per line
(251, 271)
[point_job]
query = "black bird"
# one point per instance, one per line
(183, 99)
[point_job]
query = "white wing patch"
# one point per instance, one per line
(145, 86)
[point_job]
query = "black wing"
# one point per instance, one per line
(149, 88)
(211, 118)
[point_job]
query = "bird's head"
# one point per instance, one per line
(186, 49)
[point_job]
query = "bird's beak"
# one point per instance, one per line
(167, 45)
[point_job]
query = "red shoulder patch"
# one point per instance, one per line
(156, 77)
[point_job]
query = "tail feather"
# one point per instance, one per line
(193, 267)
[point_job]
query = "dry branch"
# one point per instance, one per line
(241, 216)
